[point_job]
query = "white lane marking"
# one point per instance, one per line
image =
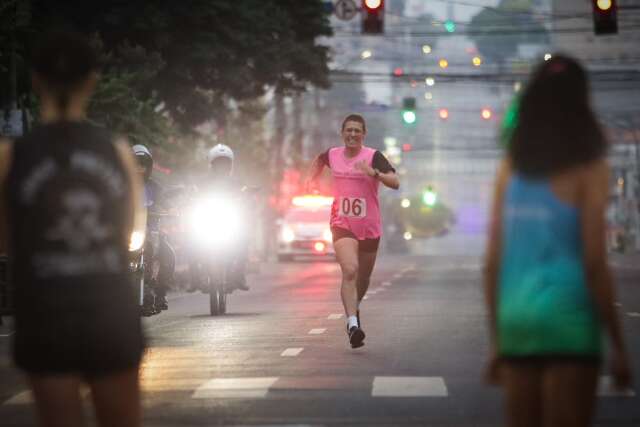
(26, 397)
(292, 352)
(606, 389)
(6, 335)
(235, 388)
(409, 387)
(372, 292)
(335, 316)
(386, 283)
(365, 297)
(317, 331)
(22, 398)
(633, 314)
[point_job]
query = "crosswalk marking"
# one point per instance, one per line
(335, 316)
(292, 352)
(230, 388)
(605, 388)
(317, 331)
(409, 387)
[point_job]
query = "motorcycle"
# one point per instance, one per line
(215, 236)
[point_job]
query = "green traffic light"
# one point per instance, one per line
(450, 26)
(409, 117)
(429, 197)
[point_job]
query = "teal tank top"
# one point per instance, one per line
(543, 306)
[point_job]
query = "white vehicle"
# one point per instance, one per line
(304, 230)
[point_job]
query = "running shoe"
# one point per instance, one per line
(356, 337)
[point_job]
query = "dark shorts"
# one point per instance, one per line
(366, 245)
(91, 343)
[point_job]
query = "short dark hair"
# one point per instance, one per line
(355, 118)
(62, 60)
(556, 128)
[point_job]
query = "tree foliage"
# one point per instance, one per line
(499, 31)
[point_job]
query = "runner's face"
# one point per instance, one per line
(353, 134)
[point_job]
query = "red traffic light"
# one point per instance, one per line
(373, 4)
(372, 16)
(406, 147)
(398, 71)
(443, 113)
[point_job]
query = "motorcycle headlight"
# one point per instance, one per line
(215, 221)
(136, 241)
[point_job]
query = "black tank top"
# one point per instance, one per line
(68, 198)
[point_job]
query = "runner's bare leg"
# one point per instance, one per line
(347, 255)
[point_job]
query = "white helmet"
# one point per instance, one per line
(218, 151)
(141, 150)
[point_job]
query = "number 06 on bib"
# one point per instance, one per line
(353, 207)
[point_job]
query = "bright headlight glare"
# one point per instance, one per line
(136, 241)
(288, 235)
(215, 221)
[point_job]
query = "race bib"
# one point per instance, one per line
(353, 207)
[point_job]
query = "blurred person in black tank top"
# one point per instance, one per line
(69, 201)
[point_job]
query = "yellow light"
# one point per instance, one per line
(373, 4)
(547, 56)
(426, 49)
(319, 246)
(477, 61)
(312, 201)
(604, 4)
(620, 182)
(366, 54)
(443, 63)
(430, 81)
(444, 113)
(408, 236)
(486, 113)
(405, 203)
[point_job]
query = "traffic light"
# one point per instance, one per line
(443, 113)
(486, 113)
(409, 110)
(605, 16)
(429, 197)
(372, 16)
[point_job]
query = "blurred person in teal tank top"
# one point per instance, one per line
(547, 284)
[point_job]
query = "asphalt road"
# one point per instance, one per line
(280, 357)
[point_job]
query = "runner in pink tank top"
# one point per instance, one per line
(357, 172)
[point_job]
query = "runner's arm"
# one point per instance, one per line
(494, 247)
(5, 162)
(386, 173)
(593, 205)
(316, 168)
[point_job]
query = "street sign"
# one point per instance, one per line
(346, 9)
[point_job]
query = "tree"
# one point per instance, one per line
(499, 31)
(212, 53)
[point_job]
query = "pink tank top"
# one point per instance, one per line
(355, 204)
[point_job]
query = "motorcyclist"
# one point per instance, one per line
(220, 179)
(156, 203)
